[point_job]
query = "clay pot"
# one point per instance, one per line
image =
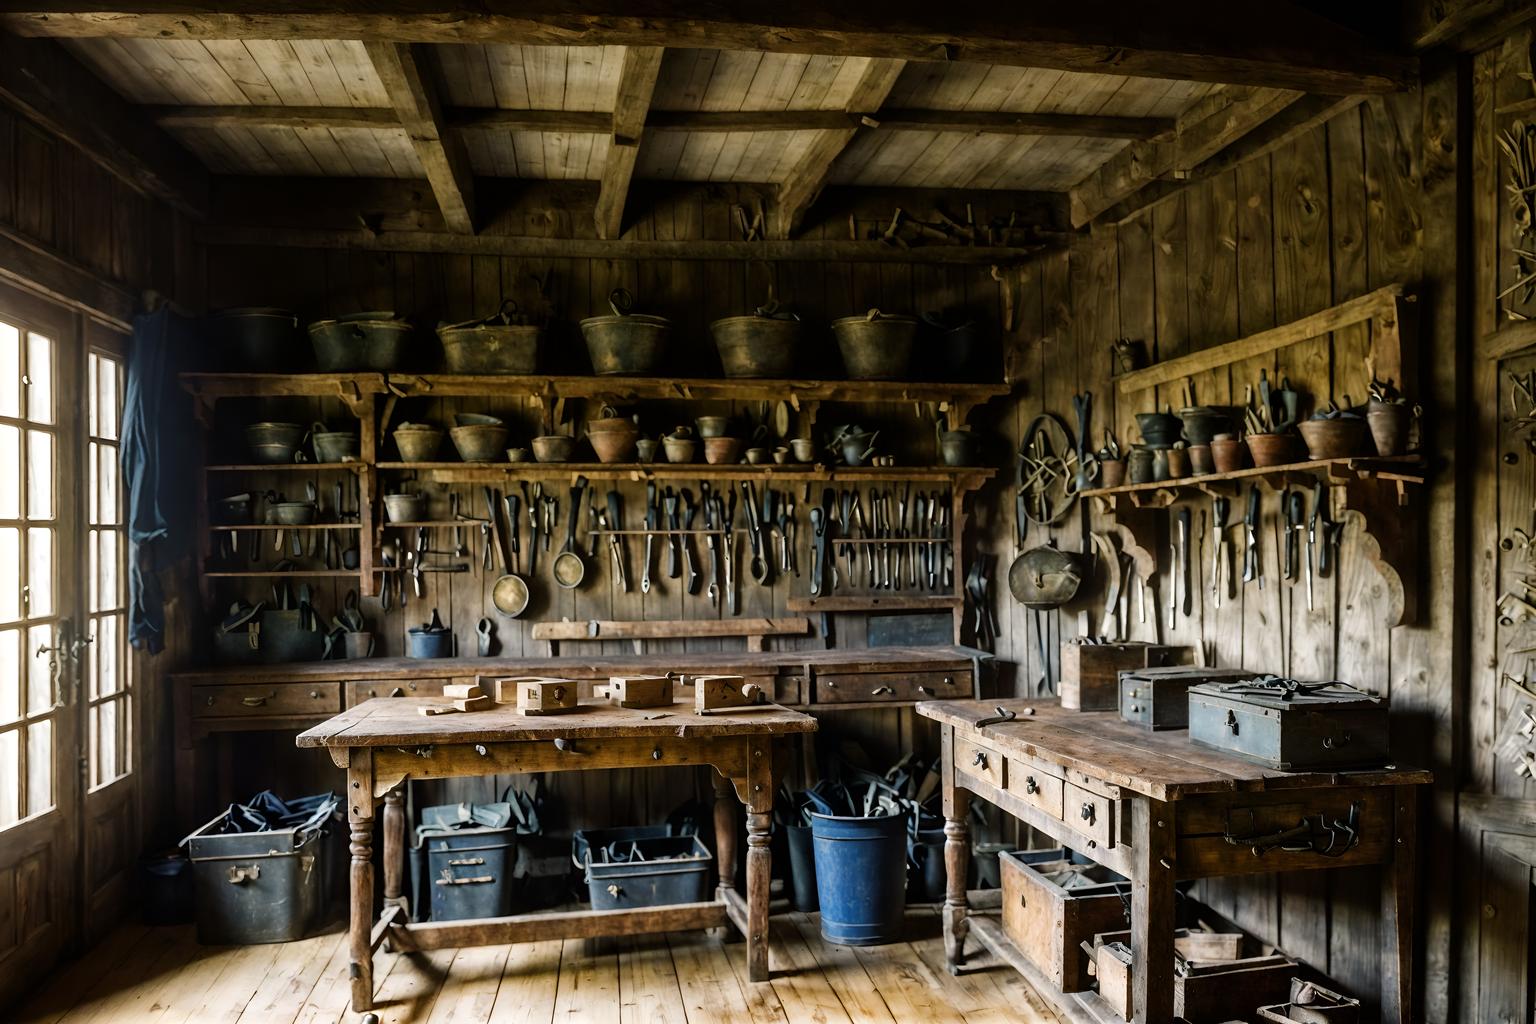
(1111, 472)
(1138, 465)
(1178, 463)
(613, 445)
(1339, 438)
(418, 442)
(517, 454)
(1203, 422)
(1227, 454)
(722, 451)
(712, 426)
(1389, 423)
(680, 449)
(1274, 449)
(803, 449)
(1159, 428)
(553, 448)
(757, 456)
(1200, 460)
(405, 508)
(645, 449)
(480, 442)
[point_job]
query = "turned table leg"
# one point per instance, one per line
(759, 880)
(957, 855)
(725, 833)
(394, 849)
(360, 820)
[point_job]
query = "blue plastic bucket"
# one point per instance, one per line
(861, 877)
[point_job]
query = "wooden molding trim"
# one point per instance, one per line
(34, 267)
(1276, 45)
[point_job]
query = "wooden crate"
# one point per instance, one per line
(1049, 923)
(1212, 991)
(1090, 673)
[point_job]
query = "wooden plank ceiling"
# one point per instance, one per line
(338, 75)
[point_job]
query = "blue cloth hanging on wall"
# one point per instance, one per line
(158, 455)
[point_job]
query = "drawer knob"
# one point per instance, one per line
(1030, 785)
(1088, 812)
(314, 694)
(1135, 709)
(877, 691)
(1334, 742)
(949, 680)
(397, 692)
(925, 690)
(980, 759)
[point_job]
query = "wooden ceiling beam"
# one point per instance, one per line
(637, 80)
(703, 121)
(46, 85)
(806, 179)
(1204, 130)
(1277, 44)
(405, 71)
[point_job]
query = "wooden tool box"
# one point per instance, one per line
(1051, 906)
(1291, 726)
(1204, 991)
(1158, 698)
(1090, 673)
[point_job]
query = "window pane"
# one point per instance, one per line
(39, 475)
(40, 571)
(10, 371)
(107, 654)
(40, 670)
(10, 583)
(10, 777)
(10, 675)
(10, 472)
(40, 377)
(39, 767)
(106, 419)
(106, 768)
(108, 569)
(106, 502)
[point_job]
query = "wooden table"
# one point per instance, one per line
(385, 741)
(1157, 809)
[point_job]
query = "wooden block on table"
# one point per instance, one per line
(436, 709)
(462, 691)
(715, 694)
(1090, 673)
(505, 690)
(479, 702)
(543, 696)
(640, 691)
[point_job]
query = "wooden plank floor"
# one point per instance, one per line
(140, 974)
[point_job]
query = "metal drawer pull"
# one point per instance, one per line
(477, 880)
(949, 680)
(397, 692)
(242, 873)
(877, 691)
(314, 694)
(1135, 709)
(927, 690)
(566, 746)
(1232, 722)
(1329, 743)
(253, 702)
(1030, 785)
(1088, 813)
(1313, 834)
(980, 759)
(466, 862)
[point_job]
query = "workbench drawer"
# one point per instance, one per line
(861, 687)
(267, 700)
(1089, 813)
(1036, 784)
(359, 690)
(979, 762)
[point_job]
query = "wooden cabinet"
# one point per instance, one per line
(359, 690)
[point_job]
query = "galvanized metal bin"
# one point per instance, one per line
(255, 887)
(468, 872)
(647, 872)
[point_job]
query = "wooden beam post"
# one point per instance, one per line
(1278, 44)
(637, 80)
(403, 68)
(807, 178)
(1203, 131)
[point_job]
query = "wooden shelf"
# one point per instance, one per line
(965, 477)
(875, 603)
(284, 467)
(257, 574)
(1404, 468)
(265, 527)
(442, 385)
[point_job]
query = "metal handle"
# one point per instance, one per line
(949, 680)
(1030, 785)
(1330, 743)
(980, 759)
(1088, 813)
(1135, 709)
(1232, 722)
(314, 694)
(877, 691)
(566, 746)
(477, 880)
(253, 702)
(927, 690)
(239, 874)
(466, 862)
(615, 890)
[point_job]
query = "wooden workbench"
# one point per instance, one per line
(384, 742)
(1158, 809)
(295, 696)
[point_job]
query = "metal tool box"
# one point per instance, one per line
(1158, 698)
(1291, 725)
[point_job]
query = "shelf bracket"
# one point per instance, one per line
(1390, 540)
